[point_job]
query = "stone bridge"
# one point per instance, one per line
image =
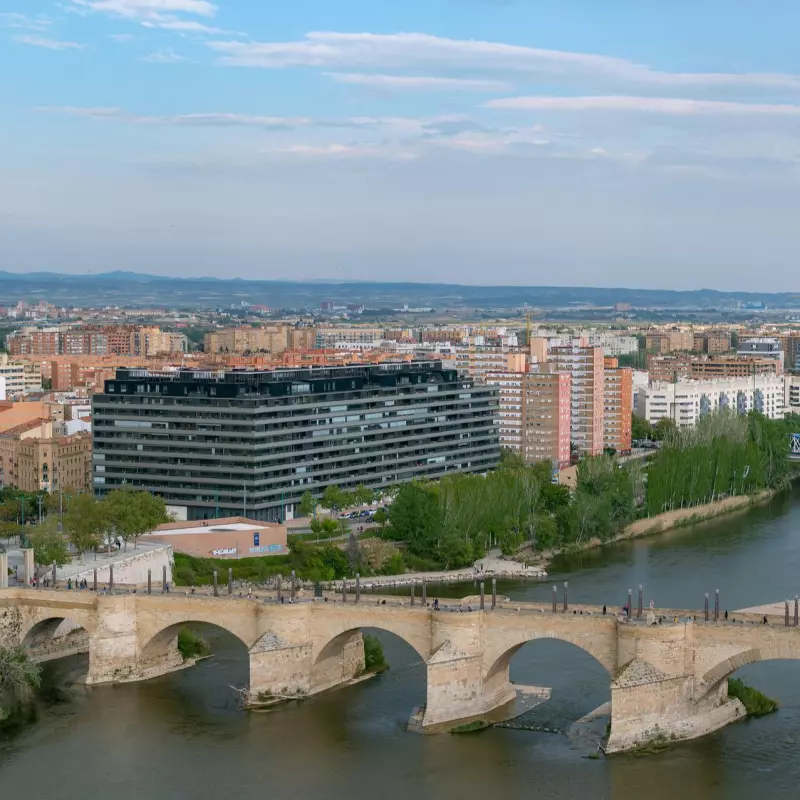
(667, 681)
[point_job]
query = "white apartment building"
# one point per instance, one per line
(791, 394)
(20, 376)
(686, 401)
(613, 344)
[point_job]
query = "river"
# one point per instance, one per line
(182, 736)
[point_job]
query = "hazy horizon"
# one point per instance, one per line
(476, 142)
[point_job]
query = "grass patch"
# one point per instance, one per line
(756, 703)
(190, 645)
(374, 659)
(471, 727)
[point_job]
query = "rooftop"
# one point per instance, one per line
(222, 525)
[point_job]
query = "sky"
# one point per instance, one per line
(635, 143)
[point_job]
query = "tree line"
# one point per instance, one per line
(85, 523)
(452, 523)
(725, 454)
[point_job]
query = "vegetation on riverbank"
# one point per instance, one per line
(19, 679)
(725, 454)
(374, 660)
(192, 645)
(450, 524)
(756, 703)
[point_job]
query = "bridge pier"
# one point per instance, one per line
(457, 692)
(655, 695)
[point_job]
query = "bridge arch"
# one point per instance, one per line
(773, 648)
(41, 622)
(410, 625)
(158, 627)
(596, 637)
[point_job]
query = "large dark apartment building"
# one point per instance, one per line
(220, 444)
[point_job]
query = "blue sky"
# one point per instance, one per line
(627, 143)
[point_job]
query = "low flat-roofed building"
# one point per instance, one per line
(229, 537)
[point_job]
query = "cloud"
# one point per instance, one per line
(164, 57)
(418, 82)
(48, 44)
(144, 8)
(184, 26)
(335, 150)
(332, 50)
(112, 113)
(122, 37)
(13, 19)
(651, 105)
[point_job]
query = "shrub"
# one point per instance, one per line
(190, 645)
(374, 660)
(756, 703)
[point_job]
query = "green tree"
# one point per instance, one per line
(333, 498)
(640, 428)
(131, 514)
(19, 677)
(306, 505)
(510, 459)
(49, 545)
(85, 523)
(317, 527)
(380, 516)
(330, 527)
(363, 496)
(663, 429)
(417, 518)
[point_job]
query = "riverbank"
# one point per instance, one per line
(496, 567)
(669, 520)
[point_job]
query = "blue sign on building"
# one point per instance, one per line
(256, 539)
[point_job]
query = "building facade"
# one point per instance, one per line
(586, 368)
(765, 346)
(683, 365)
(685, 401)
(251, 443)
(535, 414)
(32, 459)
(617, 406)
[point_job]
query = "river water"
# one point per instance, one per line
(182, 736)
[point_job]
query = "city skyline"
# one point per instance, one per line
(456, 142)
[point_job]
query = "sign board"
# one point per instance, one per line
(269, 548)
(256, 539)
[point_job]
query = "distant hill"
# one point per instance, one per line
(139, 290)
